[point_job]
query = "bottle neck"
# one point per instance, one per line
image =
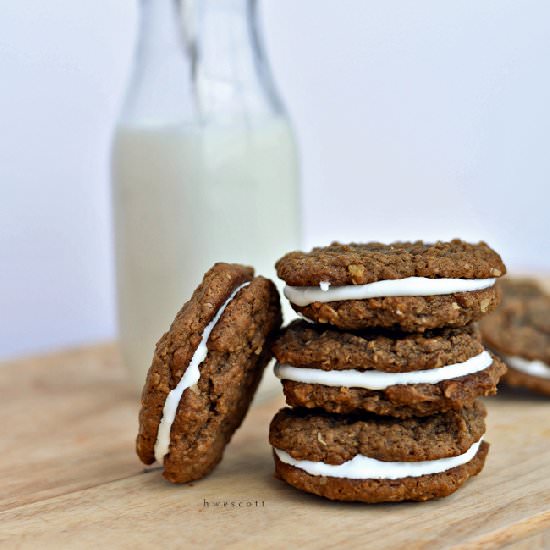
(210, 53)
(230, 70)
(224, 42)
(159, 28)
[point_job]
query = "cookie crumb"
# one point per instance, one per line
(357, 273)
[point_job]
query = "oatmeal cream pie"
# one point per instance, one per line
(412, 286)
(205, 371)
(376, 459)
(519, 331)
(396, 374)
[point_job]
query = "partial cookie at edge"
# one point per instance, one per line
(520, 328)
(521, 325)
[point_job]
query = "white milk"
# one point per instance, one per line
(187, 197)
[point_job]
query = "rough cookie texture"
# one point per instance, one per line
(302, 344)
(358, 264)
(421, 488)
(406, 313)
(520, 327)
(333, 439)
(401, 401)
(238, 351)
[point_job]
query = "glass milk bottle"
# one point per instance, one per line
(204, 164)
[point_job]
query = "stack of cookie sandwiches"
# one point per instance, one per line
(519, 331)
(384, 369)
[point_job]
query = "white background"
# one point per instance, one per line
(424, 119)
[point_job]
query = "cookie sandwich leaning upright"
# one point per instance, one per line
(385, 369)
(205, 371)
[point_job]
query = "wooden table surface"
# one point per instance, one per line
(69, 477)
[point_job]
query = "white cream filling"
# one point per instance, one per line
(306, 319)
(190, 377)
(363, 467)
(376, 380)
(410, 286)
(533, 368)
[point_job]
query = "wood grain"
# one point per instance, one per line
(69, 477)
